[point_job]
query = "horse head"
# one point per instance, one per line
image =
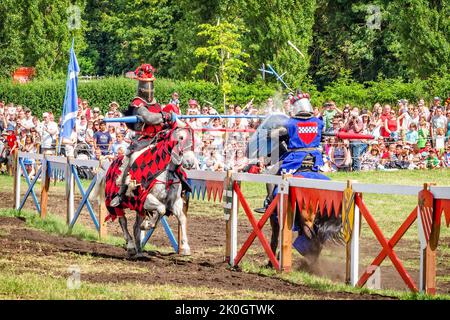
(185, 147)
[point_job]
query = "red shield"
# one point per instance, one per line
(307, 131)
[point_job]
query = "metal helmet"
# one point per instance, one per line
(146, 90)
(144, 73)
(301, 106)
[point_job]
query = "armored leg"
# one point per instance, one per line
(268, 200)
(124, 168)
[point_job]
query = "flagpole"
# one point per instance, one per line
(58, 151)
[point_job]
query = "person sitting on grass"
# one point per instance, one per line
(370, 159)
(432, 161)
(446, 157)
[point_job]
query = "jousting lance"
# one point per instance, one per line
(339, 135)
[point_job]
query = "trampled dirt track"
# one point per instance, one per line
(206, 267)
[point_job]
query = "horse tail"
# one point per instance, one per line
(329, 228)
(98, 192)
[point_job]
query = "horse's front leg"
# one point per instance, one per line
(178, 211)
(156, 207)
(137, 233)
(131, 248)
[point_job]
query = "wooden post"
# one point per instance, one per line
(428, 255)
(45, 184)
(286, 219)
(233, 224)
(185, 211)
(348, 212)
(16, 171)
(227, 204)
(70, 192)
(354, 253)
(103, 231)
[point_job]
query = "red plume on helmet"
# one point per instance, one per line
(145, 72)
(300, 96)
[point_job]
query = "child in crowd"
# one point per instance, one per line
(412, 135)
(370, 159)
(446, 158)
(439, 140)
(423, 134)
(432, 161)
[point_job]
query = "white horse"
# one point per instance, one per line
(155, 202)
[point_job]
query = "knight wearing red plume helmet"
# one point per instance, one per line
(153, 120)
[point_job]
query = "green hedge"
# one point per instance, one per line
(46, 95)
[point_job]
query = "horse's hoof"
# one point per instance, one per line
(131, 252)
(186, 252)
(131, 249)
(138, 255)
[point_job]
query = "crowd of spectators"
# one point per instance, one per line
(413, 135)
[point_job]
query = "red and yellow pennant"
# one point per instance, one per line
(316, 199)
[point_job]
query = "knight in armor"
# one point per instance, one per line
(301, 157)
(300, 137)
(153, 121)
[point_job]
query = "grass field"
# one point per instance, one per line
(19, 281)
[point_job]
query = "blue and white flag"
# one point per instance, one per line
(70, 108)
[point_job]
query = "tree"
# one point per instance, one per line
(222, 57)
(123, 34)
(272, 24)
(11, 53)
(422, 30)
(35, 33)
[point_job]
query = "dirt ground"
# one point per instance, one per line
(206, 267)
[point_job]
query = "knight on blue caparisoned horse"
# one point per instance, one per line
(297, 140)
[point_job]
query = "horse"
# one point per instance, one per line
(314, 228)
(147, 187)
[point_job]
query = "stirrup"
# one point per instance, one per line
(115, 202)
(260, 210)
(263, 209)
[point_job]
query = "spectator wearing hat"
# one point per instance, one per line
(11, 138)
(114, 108)
(437, 102)
(193, 104)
